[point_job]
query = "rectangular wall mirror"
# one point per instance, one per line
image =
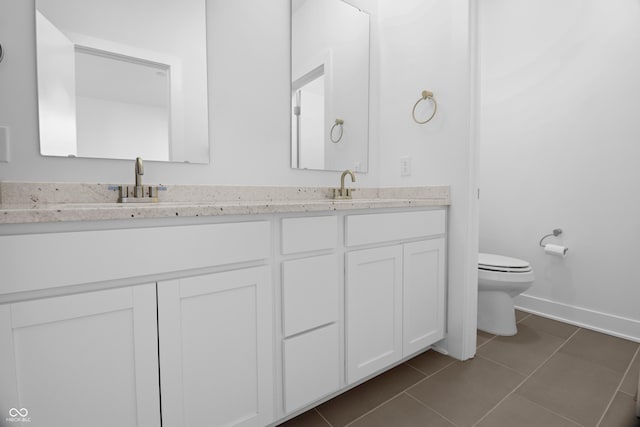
(122, 79)
(329, 86)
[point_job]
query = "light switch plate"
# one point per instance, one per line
(4, 144)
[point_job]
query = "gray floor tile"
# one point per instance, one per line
(523, 352)
(621, 413)
(402, 411)
(483, 337)
(520, 412)
(465, 391)
(549, 326)
(430, 362)
(630, 383)
(610, 352)
(521, 315)
(345, 408)
(308, 419)
(572, 387)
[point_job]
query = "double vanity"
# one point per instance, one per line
(217, 306)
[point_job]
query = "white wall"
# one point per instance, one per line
(560, 146)
(425, 44)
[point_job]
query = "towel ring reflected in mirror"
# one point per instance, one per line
(1, 53)
(339, 123)
(425, 95)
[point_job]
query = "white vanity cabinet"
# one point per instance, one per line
(193, 348)
(216, 349)
(311, 327)
(231, 321)
(85, 359)
(395, 294)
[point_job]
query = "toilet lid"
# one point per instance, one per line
(494, 262)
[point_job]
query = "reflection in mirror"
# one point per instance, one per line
(120, 79)
(329, 85)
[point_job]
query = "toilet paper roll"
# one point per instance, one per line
(556, 250)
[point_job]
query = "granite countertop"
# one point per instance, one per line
(22, 202)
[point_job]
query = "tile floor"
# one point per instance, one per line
(549, 374)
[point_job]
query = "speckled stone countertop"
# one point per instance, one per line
(26, 202)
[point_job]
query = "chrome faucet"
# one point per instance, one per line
(138, 193)
(344, 193)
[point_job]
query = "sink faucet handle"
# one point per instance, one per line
(139, 169)
(139, 166)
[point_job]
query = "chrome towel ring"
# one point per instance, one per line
(425, 95)
(339, 123)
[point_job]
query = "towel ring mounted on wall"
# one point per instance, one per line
(425, 95)
(1, 53)
(339, 123)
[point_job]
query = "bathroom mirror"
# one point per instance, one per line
(329, 86)
(121, 79)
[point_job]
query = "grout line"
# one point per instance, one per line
(322, 416)
(478, 356)
(633, 396)
(486, 342)
(430, 408)
(553, 412)
(401, 392)
(527, 377)
(373, 409)
(626, 372)
(426, 375)
(525, 317)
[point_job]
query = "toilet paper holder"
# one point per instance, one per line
(556, 232)
(554, 250)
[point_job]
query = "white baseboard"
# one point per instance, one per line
(590, 319)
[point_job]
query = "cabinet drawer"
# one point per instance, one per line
(309, 234)
(311, 366)
(310, 293)
(73, 258)
(385, 227)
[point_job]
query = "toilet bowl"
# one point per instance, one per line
(500, 279)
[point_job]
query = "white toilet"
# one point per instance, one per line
(500, 279)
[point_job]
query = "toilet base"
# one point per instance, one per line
(496, 313)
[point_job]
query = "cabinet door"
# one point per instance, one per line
(78, 360)
(424, 294)
(216, 351)
(373, 310)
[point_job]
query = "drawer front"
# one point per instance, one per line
(310, 293)
(41, 261)
(386, 227)
(309, 234)
(311, 366)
